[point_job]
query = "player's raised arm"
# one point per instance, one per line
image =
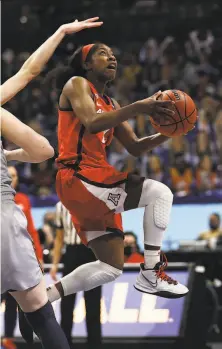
(34, 147)
(35, 63)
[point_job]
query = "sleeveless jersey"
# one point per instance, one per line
(86, 152)
(6, 189)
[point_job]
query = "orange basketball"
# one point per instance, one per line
(184, 118)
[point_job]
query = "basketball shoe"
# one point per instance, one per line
(156, 282)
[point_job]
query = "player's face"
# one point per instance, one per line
(103, 63)
(129, 240)
(14, 176)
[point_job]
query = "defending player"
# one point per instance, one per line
(20, 271)
(92, 190)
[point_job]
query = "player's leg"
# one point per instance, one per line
(68, 303)
(39, 313)
(22, 274)
(109, 250)
(157, 200)
(10, 319)
(93, 323)
(89, 212)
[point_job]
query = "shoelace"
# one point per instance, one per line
(161, 273)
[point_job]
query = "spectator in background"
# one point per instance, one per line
(214, 233)
(43, 176)
(47, 235)
(23, 202)
(117, 155)
(181, 176)
(8, 64)
(203, 146)
(206, 178)
(218, 131)
(199, 41)
(178, 145)
(132, 252)
(132, 72)
(213, 239)
(155, 169)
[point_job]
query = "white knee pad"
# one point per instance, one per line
(103, 273)
(112, 273)
(161, 198)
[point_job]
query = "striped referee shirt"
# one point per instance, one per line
(64, 221)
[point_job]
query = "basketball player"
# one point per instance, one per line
(22, 200)
(20, 271)
(94, 192)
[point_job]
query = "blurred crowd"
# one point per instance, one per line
(188, 164)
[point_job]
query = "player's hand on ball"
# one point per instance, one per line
(157, 108)
(77, 26)
(53, 272)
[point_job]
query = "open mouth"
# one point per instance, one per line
(112, 66)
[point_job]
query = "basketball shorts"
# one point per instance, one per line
(96, 208)
(20, 268)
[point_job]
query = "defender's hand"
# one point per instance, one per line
(76, 26)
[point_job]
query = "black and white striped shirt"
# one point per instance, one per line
(64, 221)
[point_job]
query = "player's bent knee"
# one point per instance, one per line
(110, 273)
(162, 209)
(161, 197)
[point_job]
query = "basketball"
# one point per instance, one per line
(184, 118)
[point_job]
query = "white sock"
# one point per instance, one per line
(84, 278)
(151, 258)
(157, 199)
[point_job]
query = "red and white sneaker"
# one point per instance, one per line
(155, 281)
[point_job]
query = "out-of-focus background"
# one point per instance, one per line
(159, 44)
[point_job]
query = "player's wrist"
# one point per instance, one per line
(140, 107)
(62, 30)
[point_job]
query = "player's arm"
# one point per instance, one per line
(34, 147)
(58, 245)
(35, 63)
(78, 93)
(59, 241)
(134, 145)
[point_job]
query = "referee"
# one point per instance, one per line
(76, 254)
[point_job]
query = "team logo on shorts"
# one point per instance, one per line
(114, 198)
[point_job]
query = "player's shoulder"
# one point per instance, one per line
(76, 82)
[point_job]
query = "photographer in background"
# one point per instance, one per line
(213, 238)
(76, 254)
(132, 252)
(214, 234)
